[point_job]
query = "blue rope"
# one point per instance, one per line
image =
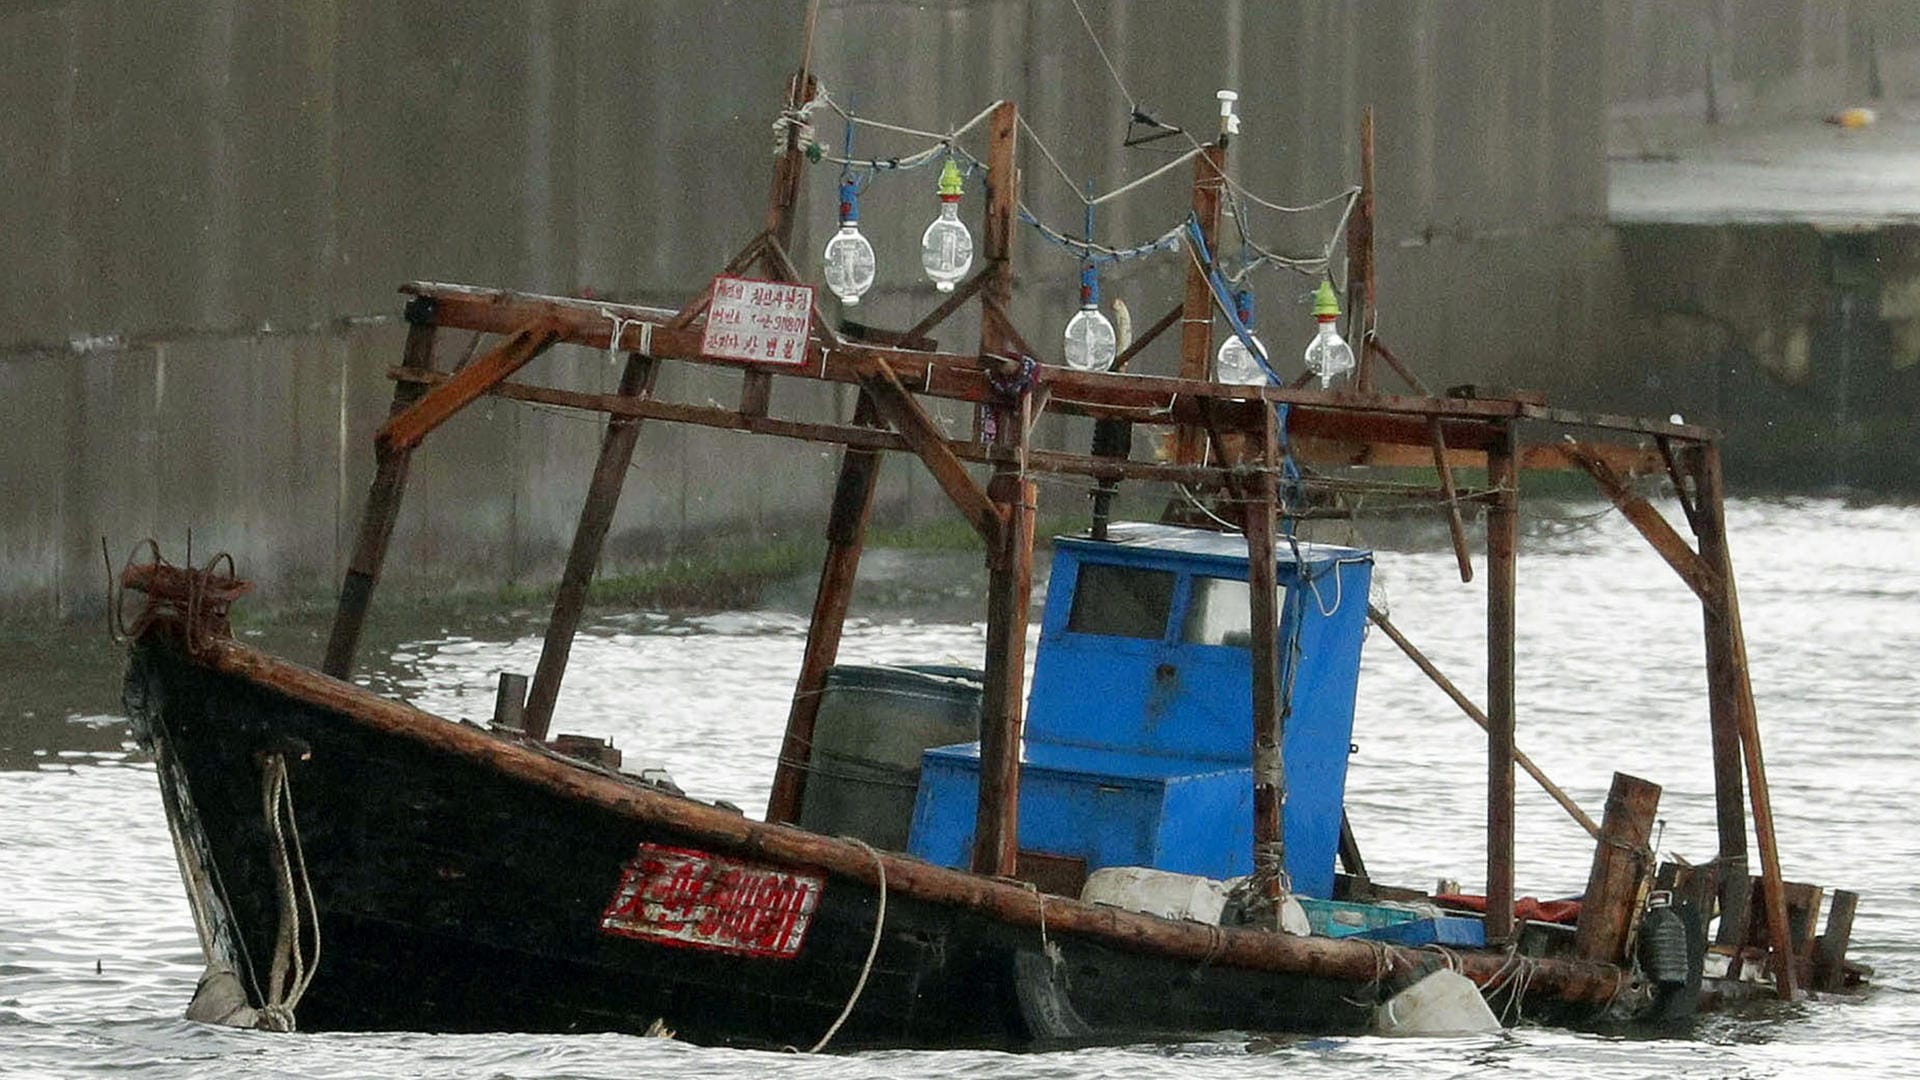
(1289, 470)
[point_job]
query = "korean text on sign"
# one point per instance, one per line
(766, 322)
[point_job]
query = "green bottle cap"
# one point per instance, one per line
(950, 180)
(1325, 304)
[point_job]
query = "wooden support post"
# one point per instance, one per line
(1258, 511)
(1455, 528)
(1360, 260)
(589, 537)
(1735, 720)
(1503, 540)
(1473, 711)
(1196, 310)
(846, 538)
(1723, 697)
(383, 501)
(996, 835)
(510, 703)
(1622, 861)
(1830, 951)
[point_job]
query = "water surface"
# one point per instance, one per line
(98, 956)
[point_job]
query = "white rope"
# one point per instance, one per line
(292, 971)
(1102, 50)
(619, 330)
(873, 948)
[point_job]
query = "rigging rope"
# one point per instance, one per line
(292, 970)
(873, 949)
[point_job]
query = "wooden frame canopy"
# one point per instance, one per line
(1229, 439)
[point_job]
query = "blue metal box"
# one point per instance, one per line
(1140, 722)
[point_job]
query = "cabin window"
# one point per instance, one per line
(1220, 613)
(1121, 601)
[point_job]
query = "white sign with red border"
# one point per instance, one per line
(764, 322)
(693, 899)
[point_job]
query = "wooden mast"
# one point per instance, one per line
(1360, 291)
(1196, 311)
(1503, 537)
(383, 500)
(996, 842)
(1736, 727)
(1269, 771)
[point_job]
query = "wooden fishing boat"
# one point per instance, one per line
(354, 863)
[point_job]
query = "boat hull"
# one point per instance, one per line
(456, 897)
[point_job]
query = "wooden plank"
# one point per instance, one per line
(756, 393)
(720, 418)
(405, 429)
(996, 835)
(789, 168)
(1503, 541)
(589, 538)
(1455, 528)
(1621, 862)
(1196, 306)
(1648, 521)
(1373, 344)
(1535, 457)
(383, 501)
(1729, 679)
(924, 437)
(959, 296)
(1258, 511)
(1830, 952)
(958, 376)
(1433, 672)
(1723, 708)
(846, 539)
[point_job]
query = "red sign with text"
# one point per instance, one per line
(766, 322)
(682, 897)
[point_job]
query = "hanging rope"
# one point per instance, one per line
(293, 970)
(873, 948)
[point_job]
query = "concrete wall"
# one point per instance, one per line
(1804, 346)
(1674, 65)
(209, 204)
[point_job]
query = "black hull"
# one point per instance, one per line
(456, 896)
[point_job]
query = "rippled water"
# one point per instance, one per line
(98, 956)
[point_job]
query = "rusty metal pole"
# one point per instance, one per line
(1269, 768)
(996, 837)
(1360, 283)
(383, 501)
(846, 539)
(1196, 313)
(1503, 541)
(1732, 693)
(589, 538)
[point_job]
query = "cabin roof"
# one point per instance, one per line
(1140, 538)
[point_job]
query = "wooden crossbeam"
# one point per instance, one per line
(924, 438)
(404, 430)
(1647, 519)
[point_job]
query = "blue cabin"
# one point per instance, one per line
(1139, 728)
